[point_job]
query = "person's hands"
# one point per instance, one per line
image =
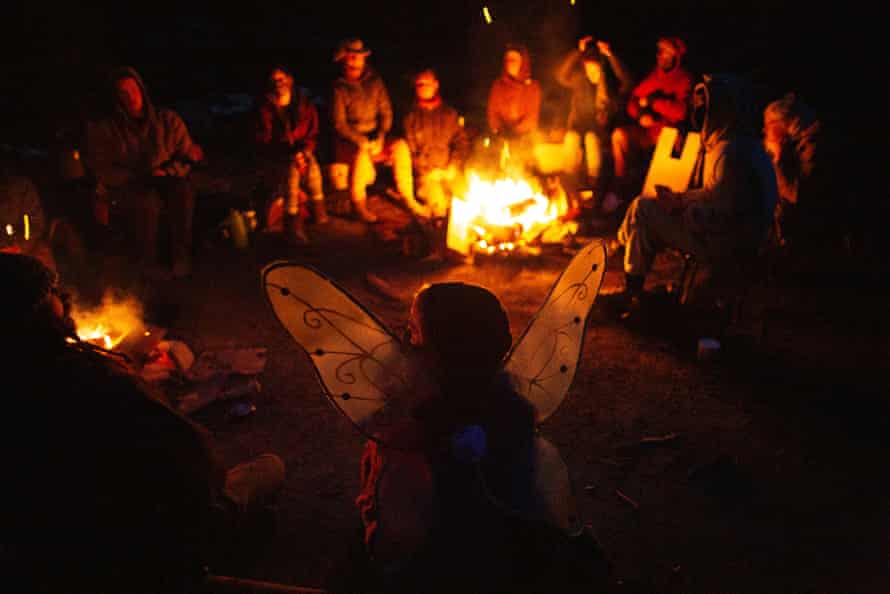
(196, 153)
(583, 42)
(643, 102)
(159, 172)
(604, 48)
(646, 120)
(375, 147)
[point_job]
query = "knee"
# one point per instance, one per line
(620, 139)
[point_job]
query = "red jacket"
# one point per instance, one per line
(286, 130)
(667, 93)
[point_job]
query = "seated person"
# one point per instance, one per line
(728, 210)
(659, 100)
(446, 494)
(362, 117)
(791, 138)
(514, 105)
(23, 224)
(433, 150)
(286, 133)
(116, 491)
(141, 156)
(597, 89)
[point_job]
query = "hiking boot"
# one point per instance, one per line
(295, 231)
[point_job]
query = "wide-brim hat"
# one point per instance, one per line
(351, 46)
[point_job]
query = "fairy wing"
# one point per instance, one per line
(555, 497)
(357, 360)
(543, 361)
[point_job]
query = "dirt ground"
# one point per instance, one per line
(774, 481)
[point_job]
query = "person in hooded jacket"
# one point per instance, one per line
(514, 103)
(141, 157)
(286, 134)
(726, 214)
(657, 101)
(598, 88)
(361, 114)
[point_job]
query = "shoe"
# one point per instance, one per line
(611, 203)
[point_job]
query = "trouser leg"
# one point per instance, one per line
(593, 156)
(179, 194)
(363, 174)
(646, 228)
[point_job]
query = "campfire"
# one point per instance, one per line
(110, 323)
(506, 215)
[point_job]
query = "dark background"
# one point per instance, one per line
(55, 57)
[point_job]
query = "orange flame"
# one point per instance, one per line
(107, 325)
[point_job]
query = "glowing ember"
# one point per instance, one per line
(500, 215)
(107, 325)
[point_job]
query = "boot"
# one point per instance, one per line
(321, 213)
(295, 230)
(361, 209)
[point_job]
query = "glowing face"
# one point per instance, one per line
(354, 64)
(665, 56)
(512, 63)
(282, 83)
(130, 95)
(593, 71)
(426, 86)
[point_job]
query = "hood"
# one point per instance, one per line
(525, 69)
(726, 106)
(129, 72)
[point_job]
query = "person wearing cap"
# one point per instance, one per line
(725, 216)
(141, 156)
(361, 114)
(657, 101)
(110, 489)
(514, 103)
(286, 134)
(598, 88)
(791, 136)
(432, 151)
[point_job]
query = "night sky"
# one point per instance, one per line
(55, 57)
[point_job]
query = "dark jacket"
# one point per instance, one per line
(360, 108)
(435, 137)
(283, 131)
(120, 149)
(667, 94)
(112, 487)
(594, 106)
(514, 104)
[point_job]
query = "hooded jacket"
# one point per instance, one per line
(667, 93)
(121, 149)
(361, 107)
(737, 191)
(514, 104)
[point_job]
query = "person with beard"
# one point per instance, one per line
(361, 114)
(141, 157)
(597, 88)
(110, 489)
(514, 103)
(725, 215)
(286, 134)
(657, 101)
(432, 151)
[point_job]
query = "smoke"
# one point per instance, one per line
(108, 323)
